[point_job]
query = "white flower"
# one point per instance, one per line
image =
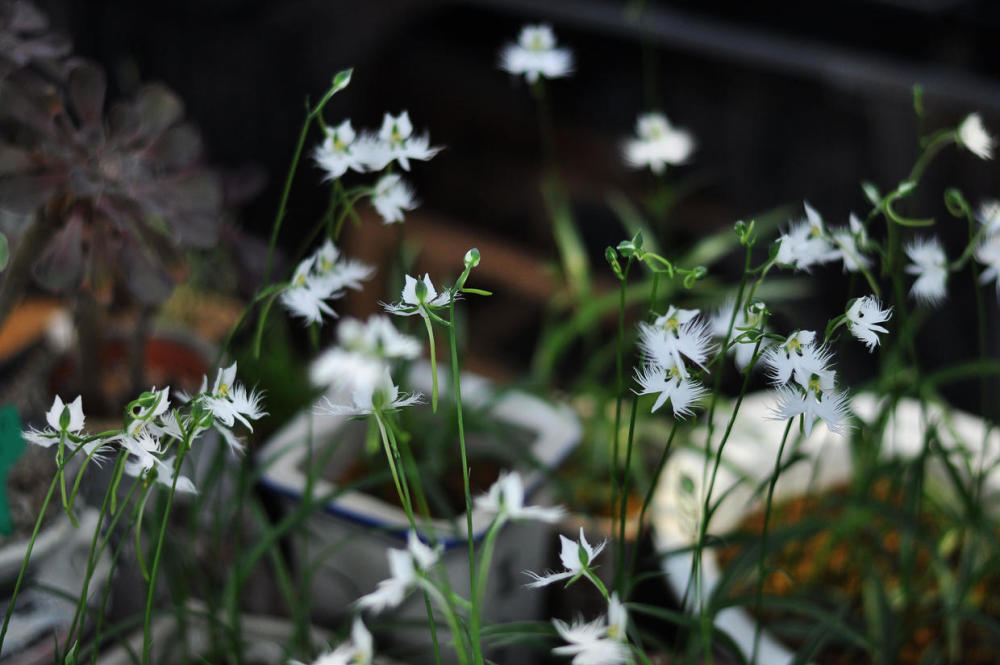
(230, 401)
(320, 277)
(576, 559)
(806, 243)
(391, 196)
(505, 499)
(358, 651)
(830, 407)
(65, 423)
(974, 137)
(988, 253)
(406, 569)
(658, 144)
(931, 268)
(800, 359)
(535, 54)
(65, 417)
(849, 243)
(395, 141)
(683, 393)
(988, 215)
(416, 298)
(719, 325)
(144, 457)
(338, 152)
(148, 407)
(379, 396)
(863, 317)
(377, 337)
(673, 336)
(599, 642)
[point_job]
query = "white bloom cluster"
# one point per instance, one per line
(505, 500)
(359, 650)
(322, 276)
(988, 252)
(152, 426)
(657, 144)
(603, 641)
(407, 568)
(343, 149)
(864, 316)
(576, 558)
(535, 55)
(805, 382)
(418, 297)
(974, 137)
(675, 338)
(359, 366)
(930, 265)
(808, 243)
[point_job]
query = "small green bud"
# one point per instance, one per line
(420, 290)
(64, 418)
(627, 249)
(955, 202)
(472, 258)
(906, 187)
(871, 193)
(694, 276)
(342, 79)
(612, 258)
(757, 307)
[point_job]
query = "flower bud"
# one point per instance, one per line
(472, 258)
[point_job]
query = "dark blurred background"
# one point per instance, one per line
(788, 101)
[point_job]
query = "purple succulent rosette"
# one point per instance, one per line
(128, 185)
(25, 38)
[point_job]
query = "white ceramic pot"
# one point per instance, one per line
(748, 461)
(350, 534)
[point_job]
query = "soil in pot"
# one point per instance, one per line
(841, 550)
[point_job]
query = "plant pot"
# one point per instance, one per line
(748, 463)
(265, 639)
(43, 613)
(352, 532)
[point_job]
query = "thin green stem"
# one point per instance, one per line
(424, 314)
(620, 572)
(147, 642)
(616, 496)
(457, 390)
(651, 490)
(763, 537)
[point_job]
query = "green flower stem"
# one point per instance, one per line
(451, 617)
(147, 642)
(92, 555)
(489, 545)
(936, 143)
(620, 571)
(648, 498)
(705, 619)
(592, 576)
(403, 490)
(619, 388)
(27, 557)
(763, 537)
(457, 390)
(430, 343)
(292, 168)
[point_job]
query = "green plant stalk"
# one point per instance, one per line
(616, 495)
(475, 614)
(292, 168)
(403, 490)
(489, 545)
(147, 642)
(620, 572)
(27, 557)
(704, 619)
(92, 555)
(650, 491)
(430, 344)
(761, 572)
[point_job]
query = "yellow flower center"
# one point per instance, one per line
(224, 389)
